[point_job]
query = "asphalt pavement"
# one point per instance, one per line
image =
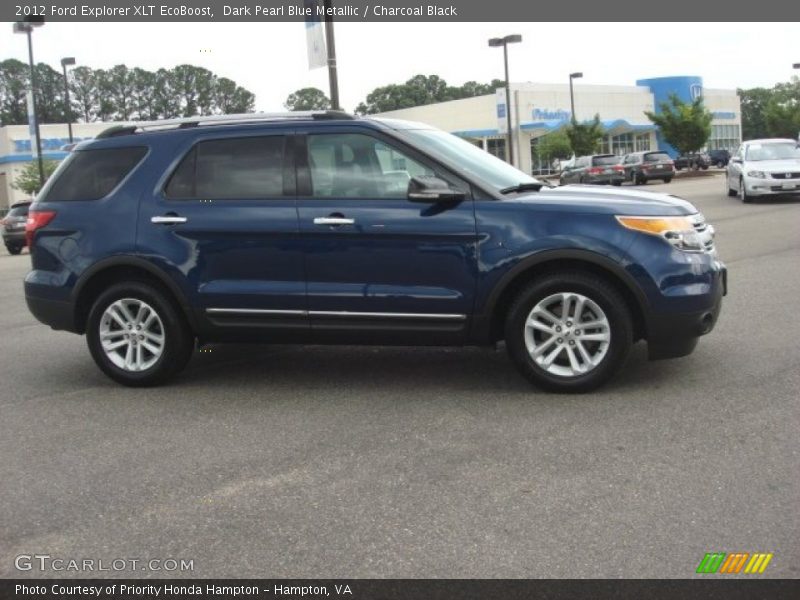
(276, 461)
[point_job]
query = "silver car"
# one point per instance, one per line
(764, 168)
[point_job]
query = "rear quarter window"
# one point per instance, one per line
(93, 174)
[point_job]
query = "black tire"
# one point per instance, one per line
(746, 199)
(732, 193)
(667, 179)
(178, 340)
(640, 179)
(14, 249)
(597, 289)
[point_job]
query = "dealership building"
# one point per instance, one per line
(539, 109)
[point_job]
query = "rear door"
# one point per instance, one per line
(379, 267)
(224, 221)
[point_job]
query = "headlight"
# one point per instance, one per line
(757, 174)
(678, 231)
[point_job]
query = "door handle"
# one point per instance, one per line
(333, 221)
(168, 220)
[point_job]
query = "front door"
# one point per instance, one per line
(379, 266)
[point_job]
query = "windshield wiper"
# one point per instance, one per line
(524, 187)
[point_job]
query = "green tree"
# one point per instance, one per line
(309, 98)
(782, 113)
(230, 98)
(13, 87)
(421, 90)
(685, 126)
(28, 179)
(584, 138)
(554, 145)
(754, 104)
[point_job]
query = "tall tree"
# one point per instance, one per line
(584, 138)
(83, 92)
(309, 98)
(754, 104)
(13, 87)
(685, 126)
(49, 94)
(121, 85)
(782, 113)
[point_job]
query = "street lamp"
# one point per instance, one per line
(504, 42)
(572, 94)
(26, 26)
(67, 62)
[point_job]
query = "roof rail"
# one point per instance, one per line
(185, 122)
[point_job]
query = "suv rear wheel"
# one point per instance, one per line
(136, 335)
(569, 332)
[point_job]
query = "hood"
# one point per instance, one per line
(775, 166)
(607, 200)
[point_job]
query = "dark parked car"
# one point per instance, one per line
(641, 167)
(599, 168)
(14, 227)
(692, 161)
(719, 158)
(321, 227)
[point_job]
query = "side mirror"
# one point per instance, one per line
(432, 189)
(736, 160)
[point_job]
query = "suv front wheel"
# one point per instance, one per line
(136, 335)
(569, 332)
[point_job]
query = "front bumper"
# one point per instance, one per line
(771, 187)
(671, 335)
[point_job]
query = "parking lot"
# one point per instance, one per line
(418, 462)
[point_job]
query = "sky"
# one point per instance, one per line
(270, 60)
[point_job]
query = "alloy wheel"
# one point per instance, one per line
(132, 334)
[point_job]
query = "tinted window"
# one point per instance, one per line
(598, 161)
(231, 168)
(353, 165)
(19, 211)
(657, 157)
(93, 174)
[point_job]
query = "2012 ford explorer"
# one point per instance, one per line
(158, 237)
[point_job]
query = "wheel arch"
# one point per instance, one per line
(559, 261)
(115, 269)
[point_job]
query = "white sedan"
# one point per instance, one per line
(764, 168)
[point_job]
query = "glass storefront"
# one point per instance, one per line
(724, 137)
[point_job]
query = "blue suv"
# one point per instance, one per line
(320, 227)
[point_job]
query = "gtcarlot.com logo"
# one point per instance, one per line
(734, 562)
(45, 562)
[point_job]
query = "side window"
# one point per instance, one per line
(354, 165)
(92, 174)
(250, 167)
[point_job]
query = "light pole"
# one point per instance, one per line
(504, 42)
(67, 62)
(333, 77)
(26, 27)
(572, 94)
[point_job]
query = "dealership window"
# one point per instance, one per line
(724, 137)
(496, 148)
(642, 142)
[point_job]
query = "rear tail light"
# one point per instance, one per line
(36, 220)
(595, 170)
(619, 168)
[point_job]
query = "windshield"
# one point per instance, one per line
(469, 158)
(778, 151)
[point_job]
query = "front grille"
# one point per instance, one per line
(792, 175)
(780, 188)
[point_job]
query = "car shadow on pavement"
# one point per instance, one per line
(357, 369)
